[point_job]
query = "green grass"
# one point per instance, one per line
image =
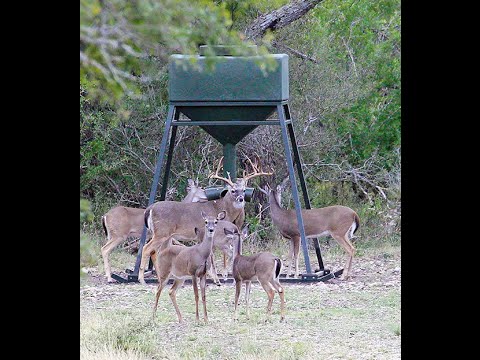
(329, 321)
(346, 320)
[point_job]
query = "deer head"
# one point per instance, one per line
(211, 223)
(237, 189)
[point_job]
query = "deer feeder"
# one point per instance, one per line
(229, 102)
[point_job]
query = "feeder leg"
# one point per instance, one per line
(303, 185)
(291, 173)
(230, 161)
(172, 112)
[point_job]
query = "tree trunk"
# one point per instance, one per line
(279, 18)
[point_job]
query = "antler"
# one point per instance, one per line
(216, 176)
(256, 170)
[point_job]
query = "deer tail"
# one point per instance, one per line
(357, 223)
(146, 216)
(278, 267)
(104, 220)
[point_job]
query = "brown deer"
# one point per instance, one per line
(264, 267)
(221, 242)
(164, 218)
(181, 262)
(195, 193)
(340, 222)
(122, 222)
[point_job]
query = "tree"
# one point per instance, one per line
(121, 39)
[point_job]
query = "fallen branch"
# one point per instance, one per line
(279, 18)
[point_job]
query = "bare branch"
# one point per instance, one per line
(294, 52)
(279, 18)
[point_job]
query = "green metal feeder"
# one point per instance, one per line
(237, 92)
(229, 103)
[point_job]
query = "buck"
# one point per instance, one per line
(181, 262)
(339, 221)
(122, 222)
(263, 267)
(164, 218)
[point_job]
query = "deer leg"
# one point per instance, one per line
(248, 284)
(212, 269)
(111, 244)
(290, 258)
(270, 293)
(296, 253)
(225, 270)
(276, 284)
(238, 288)
(173, 296)
(161, 284)
(156, 265)
(195, 291)
(349, 249)
(146, 252)
(203, 285)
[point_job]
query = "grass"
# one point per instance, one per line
(358, 319)
(345, 320)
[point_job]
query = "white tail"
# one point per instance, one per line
(338, 221)
(264, 267)
(122, 222)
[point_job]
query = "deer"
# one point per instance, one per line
(164, 218)
(181, 262)
(220, 242)
(225, 245)
(341, 222)
(195, 193)
(122, 222)
(263, 267)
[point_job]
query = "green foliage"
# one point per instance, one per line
(373, 126)
(364, 37)
(118, 37)
(85, 211)
(86, 246)
(242, 10)
(346, 106)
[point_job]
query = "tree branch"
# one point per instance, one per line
(294, 52)
(279, 18)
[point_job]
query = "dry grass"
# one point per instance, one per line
(356, 319)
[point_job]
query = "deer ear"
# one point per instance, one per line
(221, 215)
(245, 231)
(203, 215)
(225, 191)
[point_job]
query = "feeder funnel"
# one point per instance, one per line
(234, 80)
